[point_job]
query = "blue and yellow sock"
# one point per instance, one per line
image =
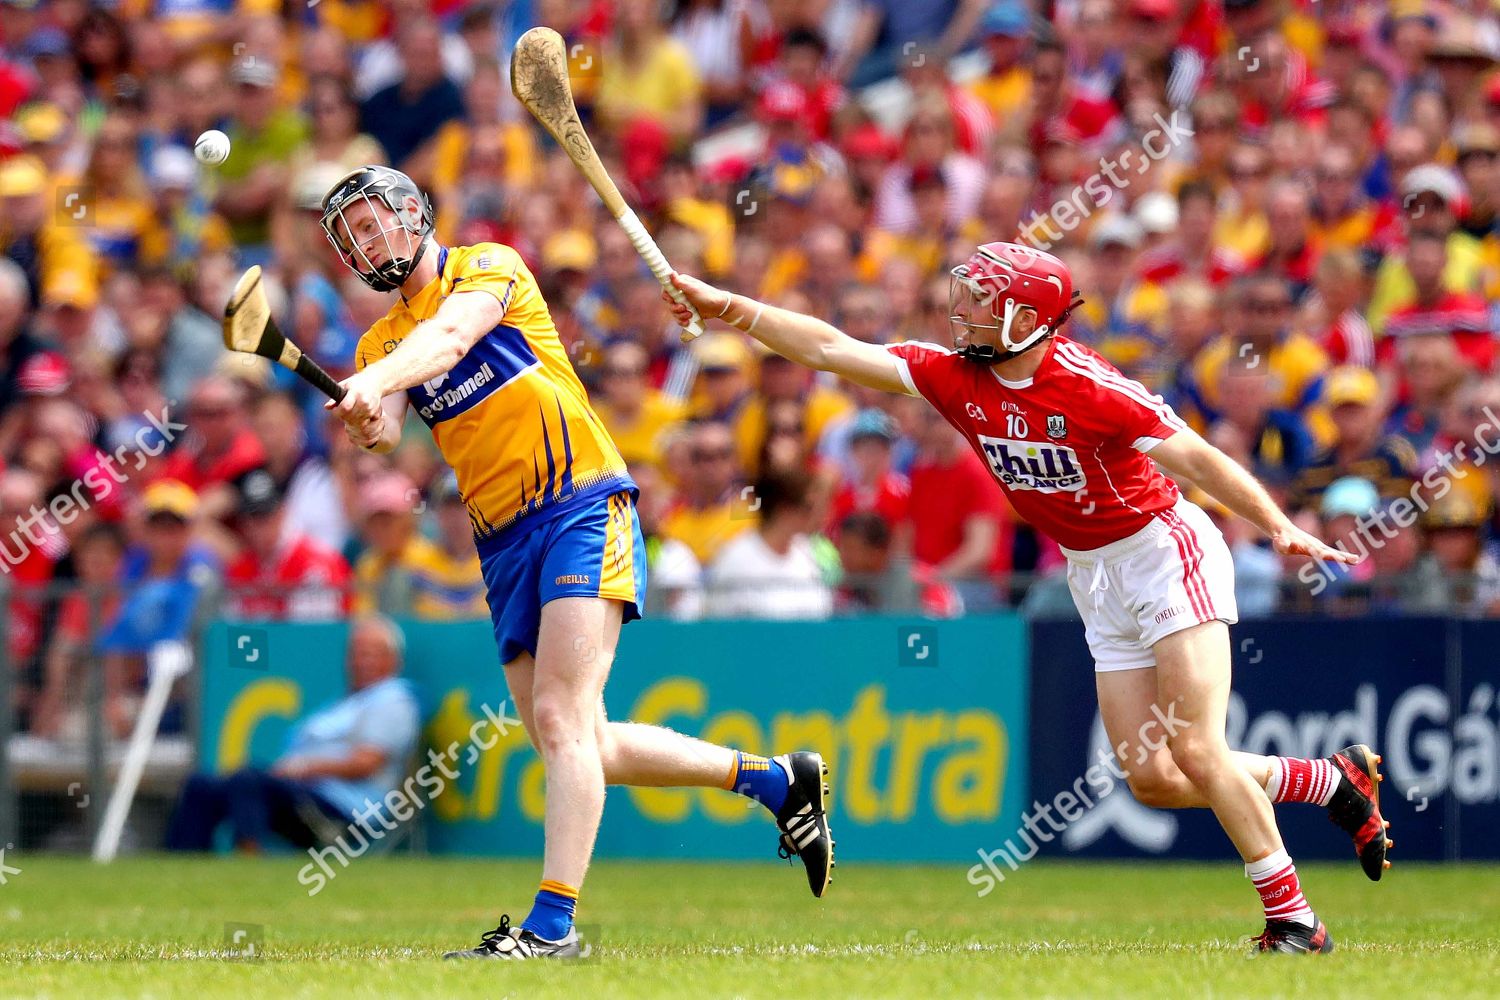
(760, 778)
(551, 915)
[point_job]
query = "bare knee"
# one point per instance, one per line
(1199, 758)
(557, 728)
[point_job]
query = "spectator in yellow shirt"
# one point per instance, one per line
(450, 586)
(183, 227)
(709, 219)
(1344, 217)
(389, 575)
(711, 506)
(1005, 87)
(1241, 226)
(646, 73)
(119, 214)
(31, 233)
(1428, 194)
(783, 382)
(723, 389)
(505, 152)
(1260, 342)
(635, 414)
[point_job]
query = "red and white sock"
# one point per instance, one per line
(1275, 878)
(1296, 780)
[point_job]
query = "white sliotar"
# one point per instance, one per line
(652, 255)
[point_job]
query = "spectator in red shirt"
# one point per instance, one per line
(803, 62)
(219, 445)
(1291, 253)
(1436, 310)
(973, 122)
(1062, 111)
(1274, 82)
(874, 486)
(29, 550)
(961, 524)
(281, 573)
(1333, 313)
(1191, 249)
(97, 555)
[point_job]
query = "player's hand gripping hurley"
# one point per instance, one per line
(539, 78)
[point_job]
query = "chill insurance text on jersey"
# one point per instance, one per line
(1077, 424)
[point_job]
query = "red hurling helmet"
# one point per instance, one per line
(995, 282)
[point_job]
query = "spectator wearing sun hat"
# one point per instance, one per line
(723, 386)
(1432, 201)
(1459, 573)
(164, 575)
(47, 133)
(1360, 447)
(263, 136)
(1476, 148)
(1346, 511)
(30, 229)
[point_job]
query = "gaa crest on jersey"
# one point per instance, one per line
(1057, 426)
(1033, 465)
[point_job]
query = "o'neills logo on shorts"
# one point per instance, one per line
(568, 578)
(1033, 465)
(452, 397)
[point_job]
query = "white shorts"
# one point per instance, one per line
(1174, 573)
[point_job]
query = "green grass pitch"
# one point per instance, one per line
(157, 927)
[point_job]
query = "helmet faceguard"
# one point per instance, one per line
(372, 185)
(989, 290)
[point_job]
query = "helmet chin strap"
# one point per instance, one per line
(986, 354)
(399, 273)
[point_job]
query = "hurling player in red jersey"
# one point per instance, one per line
(1076, 445)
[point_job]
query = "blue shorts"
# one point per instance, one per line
(590, 549)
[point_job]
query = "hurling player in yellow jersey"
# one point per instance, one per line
(471, 347)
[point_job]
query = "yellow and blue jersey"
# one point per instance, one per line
(515, 424)
(511, 417)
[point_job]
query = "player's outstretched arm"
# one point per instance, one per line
(1187, 455)
(806, 340)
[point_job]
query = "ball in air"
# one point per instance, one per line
(212, 147)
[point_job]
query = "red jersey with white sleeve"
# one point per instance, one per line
(1069, 445)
